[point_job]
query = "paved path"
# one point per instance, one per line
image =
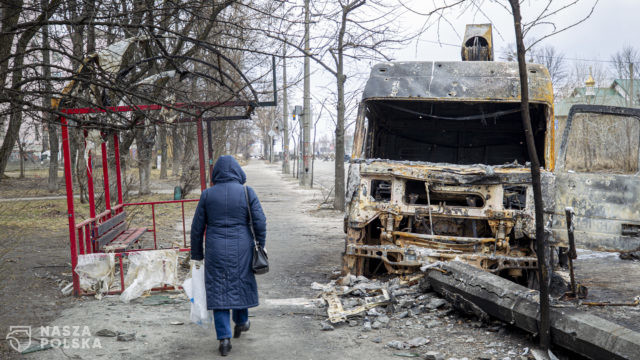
(304, 244)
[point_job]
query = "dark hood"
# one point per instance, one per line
(227, 169)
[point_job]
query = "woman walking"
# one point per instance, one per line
(223, 210)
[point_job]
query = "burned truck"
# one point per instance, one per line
(439, 167)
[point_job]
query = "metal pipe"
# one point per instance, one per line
(116, 150)
(426, 184)
(572, 248)
(81, 241)
(460, 239)
(68, 180)
(92, 201)
(87, 237)
(153, 214)
(105, 175)
(184, 230)
(121, 276)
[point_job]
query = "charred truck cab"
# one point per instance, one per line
(439, 165)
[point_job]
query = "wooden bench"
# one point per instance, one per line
(112, 235)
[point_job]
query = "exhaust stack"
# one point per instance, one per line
(478, 43)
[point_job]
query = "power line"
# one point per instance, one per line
(539, 55)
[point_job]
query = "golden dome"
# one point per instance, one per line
(590, 81)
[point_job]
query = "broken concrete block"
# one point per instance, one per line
(376, 325)
(402, 315)
(126, 337)
(432, 323)
(383, 319)
(417, 342)
(346, 280)
(573, 329)
(353, 323)
(399, 345)
(326, 326)
(436, 303)
(433, 355)
(106, 333)
(366, 326)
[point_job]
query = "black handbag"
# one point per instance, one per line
(260, 263)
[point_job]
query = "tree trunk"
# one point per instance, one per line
(21, 154)
(126, 139)
(541, 245)
(177, 150)
(144, 142)
(81, 164)
(52, 132)
(338, 202)
(163, 150)
(10, 138)
(285, 116)
(52, 184)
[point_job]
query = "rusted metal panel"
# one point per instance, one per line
(576, 330)
(606, 205)
(456, 81)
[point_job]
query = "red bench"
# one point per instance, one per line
(112, 234)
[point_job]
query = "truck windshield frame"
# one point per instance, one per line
(453, 132)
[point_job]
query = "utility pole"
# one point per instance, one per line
(631, 94)
(305, 174)
(285, 115)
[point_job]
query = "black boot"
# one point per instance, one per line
(238, 329)
(225, 347)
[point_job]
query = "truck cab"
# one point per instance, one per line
(439, 167)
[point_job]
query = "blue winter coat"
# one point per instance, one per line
(222, 211)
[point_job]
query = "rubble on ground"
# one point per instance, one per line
(404, 315)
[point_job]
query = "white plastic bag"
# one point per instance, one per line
(149, 269)
(96, 272)
(197, 294)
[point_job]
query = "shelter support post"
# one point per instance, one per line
(105, 174)
(116, 150)
(68, 181)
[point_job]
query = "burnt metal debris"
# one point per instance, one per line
(439, 168)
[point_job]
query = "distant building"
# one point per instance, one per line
(617, 94)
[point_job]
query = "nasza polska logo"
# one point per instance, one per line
(19, 337)
(66, 337)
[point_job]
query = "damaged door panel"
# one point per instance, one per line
(439, 168)
(597, 175)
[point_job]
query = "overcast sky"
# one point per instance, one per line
(613, 24)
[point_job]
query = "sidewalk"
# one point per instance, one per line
(304, 246)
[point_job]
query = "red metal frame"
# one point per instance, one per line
(81, 235)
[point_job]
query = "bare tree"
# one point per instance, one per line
(555, 61)
(621, 60)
